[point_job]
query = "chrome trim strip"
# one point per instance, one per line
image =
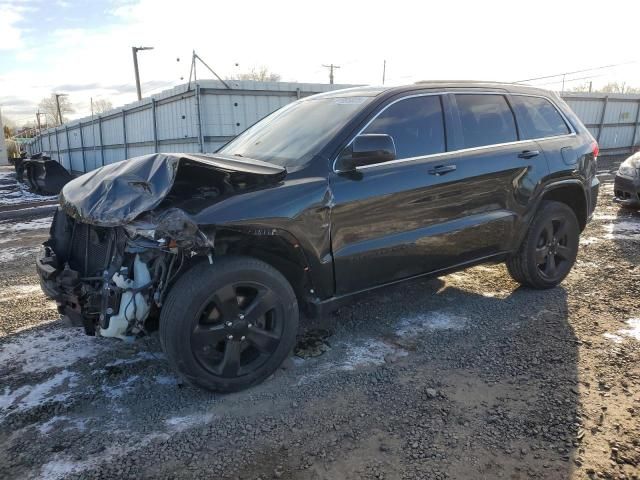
(462, 150)
(454, 152)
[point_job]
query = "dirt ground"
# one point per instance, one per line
(462, 377)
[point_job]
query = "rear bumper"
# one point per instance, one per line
(627, 191)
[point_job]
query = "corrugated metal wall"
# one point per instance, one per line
(176, 120)
(207, 117)
(613, 119)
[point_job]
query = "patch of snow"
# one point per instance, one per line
(139, 357)
(22, 195)
(413, 326)
(604, 216)
(589, 240)
(622, 230)
(62, 467)
(120, 389)
(371, 352)
(632, 332)
(49, 425)
(38, 351)
(30, 396)
(179, 424)
(166, 380)
(20, 291)
(9, 228)
(57, 469)
(11, 254)
(67, 424)
(613, 337)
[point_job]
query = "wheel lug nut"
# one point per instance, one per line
(241, 317)
(242, 337)
(229, 337)
(228, 324)
(249, 325)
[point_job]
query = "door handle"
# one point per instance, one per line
(529, 153)
(442, 169)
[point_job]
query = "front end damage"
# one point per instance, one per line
(123, 234)
(110, 279)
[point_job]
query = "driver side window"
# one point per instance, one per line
(416, 125)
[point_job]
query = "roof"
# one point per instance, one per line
(372, 91)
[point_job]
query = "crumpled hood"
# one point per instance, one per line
(116, 194)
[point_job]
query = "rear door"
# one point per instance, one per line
(500, 172)
(539, 119)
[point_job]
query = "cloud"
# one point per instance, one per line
(11, 38)
(91, 57)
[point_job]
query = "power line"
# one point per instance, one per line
(576, 71)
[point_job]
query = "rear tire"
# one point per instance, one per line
(228, 326)
(549, 248)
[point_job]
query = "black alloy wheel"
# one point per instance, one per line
(552, 251)
(239, 328)
(549, 248)
(230, 325)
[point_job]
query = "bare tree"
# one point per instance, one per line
(8, 126)
(260, 74)
(49, 107)
(580, 88)
(615, 87)
(102, 105)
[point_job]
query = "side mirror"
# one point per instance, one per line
(367, 149)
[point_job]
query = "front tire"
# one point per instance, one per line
(549, 248)
(228, 326)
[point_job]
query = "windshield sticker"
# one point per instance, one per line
(349, 100)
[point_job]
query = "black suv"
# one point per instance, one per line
(332, 195)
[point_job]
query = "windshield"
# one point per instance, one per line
(291, 136)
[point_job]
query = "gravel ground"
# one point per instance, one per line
(464, 376)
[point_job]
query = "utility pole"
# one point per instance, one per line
(384, 71)
(331, 67)
(58, 95)
(135, 51)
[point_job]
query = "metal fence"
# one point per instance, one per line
(197, 119)
(208, 115)
(613, 119)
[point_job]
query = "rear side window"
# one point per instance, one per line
(537, 117)
(415, 124)
(486, 120)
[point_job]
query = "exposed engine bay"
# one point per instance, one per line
(109, 279)
(123, 234)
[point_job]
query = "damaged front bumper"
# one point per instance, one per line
(61, 286)
(109, 279)
(627, 191)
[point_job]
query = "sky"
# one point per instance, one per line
(83, 48)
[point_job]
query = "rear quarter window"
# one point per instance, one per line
(538, 117)
(486, 120)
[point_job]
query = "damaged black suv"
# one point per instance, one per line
(332, 195)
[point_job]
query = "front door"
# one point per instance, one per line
(380, 212)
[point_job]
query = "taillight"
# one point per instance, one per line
(595, 148)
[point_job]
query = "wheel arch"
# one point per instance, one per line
(572, 194)
(276, 247)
